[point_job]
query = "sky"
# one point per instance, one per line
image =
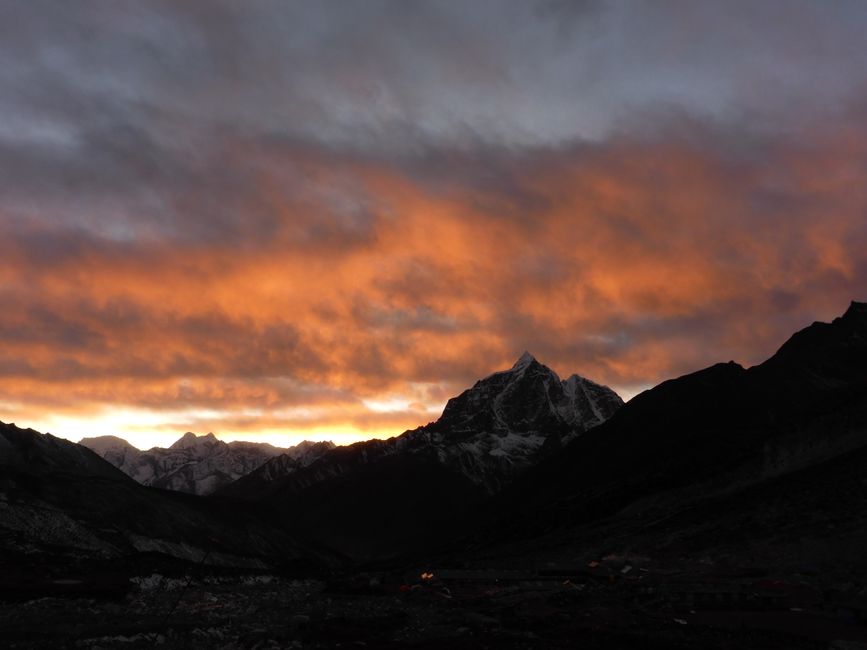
(281, 221)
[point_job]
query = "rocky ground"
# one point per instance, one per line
(613, 602)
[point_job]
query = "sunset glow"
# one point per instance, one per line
(232, 245)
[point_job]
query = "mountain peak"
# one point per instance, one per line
(190, 439)
(573, 380)
(528, 399)
(523, 361)
(827, 348)
(856, 310)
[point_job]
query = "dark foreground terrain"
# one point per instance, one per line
(623, 602)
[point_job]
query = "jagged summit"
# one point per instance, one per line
(524, 361)
(190, 439)
(529, 398)
(197, 464)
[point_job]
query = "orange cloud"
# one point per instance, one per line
(344, 281)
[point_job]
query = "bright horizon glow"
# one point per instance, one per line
(141, 436)
(145, 429)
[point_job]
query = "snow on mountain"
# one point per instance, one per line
(197, 464)
(490, 433)
(507, 421)
(529, 398)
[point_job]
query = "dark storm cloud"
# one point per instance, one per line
(135, 113)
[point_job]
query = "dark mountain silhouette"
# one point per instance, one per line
(199, 464)
(703, 441)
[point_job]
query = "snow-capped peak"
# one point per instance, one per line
(198, 464)
(528, 399)
(523, 361)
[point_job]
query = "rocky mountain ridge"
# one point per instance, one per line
(199, 464)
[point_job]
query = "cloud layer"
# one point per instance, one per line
(300, 220)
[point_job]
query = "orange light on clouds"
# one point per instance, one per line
(379, 293)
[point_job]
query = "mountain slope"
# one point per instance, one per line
(708, 435)
(197, 464)
(60, 500)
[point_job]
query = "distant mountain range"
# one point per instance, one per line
(199, 464)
